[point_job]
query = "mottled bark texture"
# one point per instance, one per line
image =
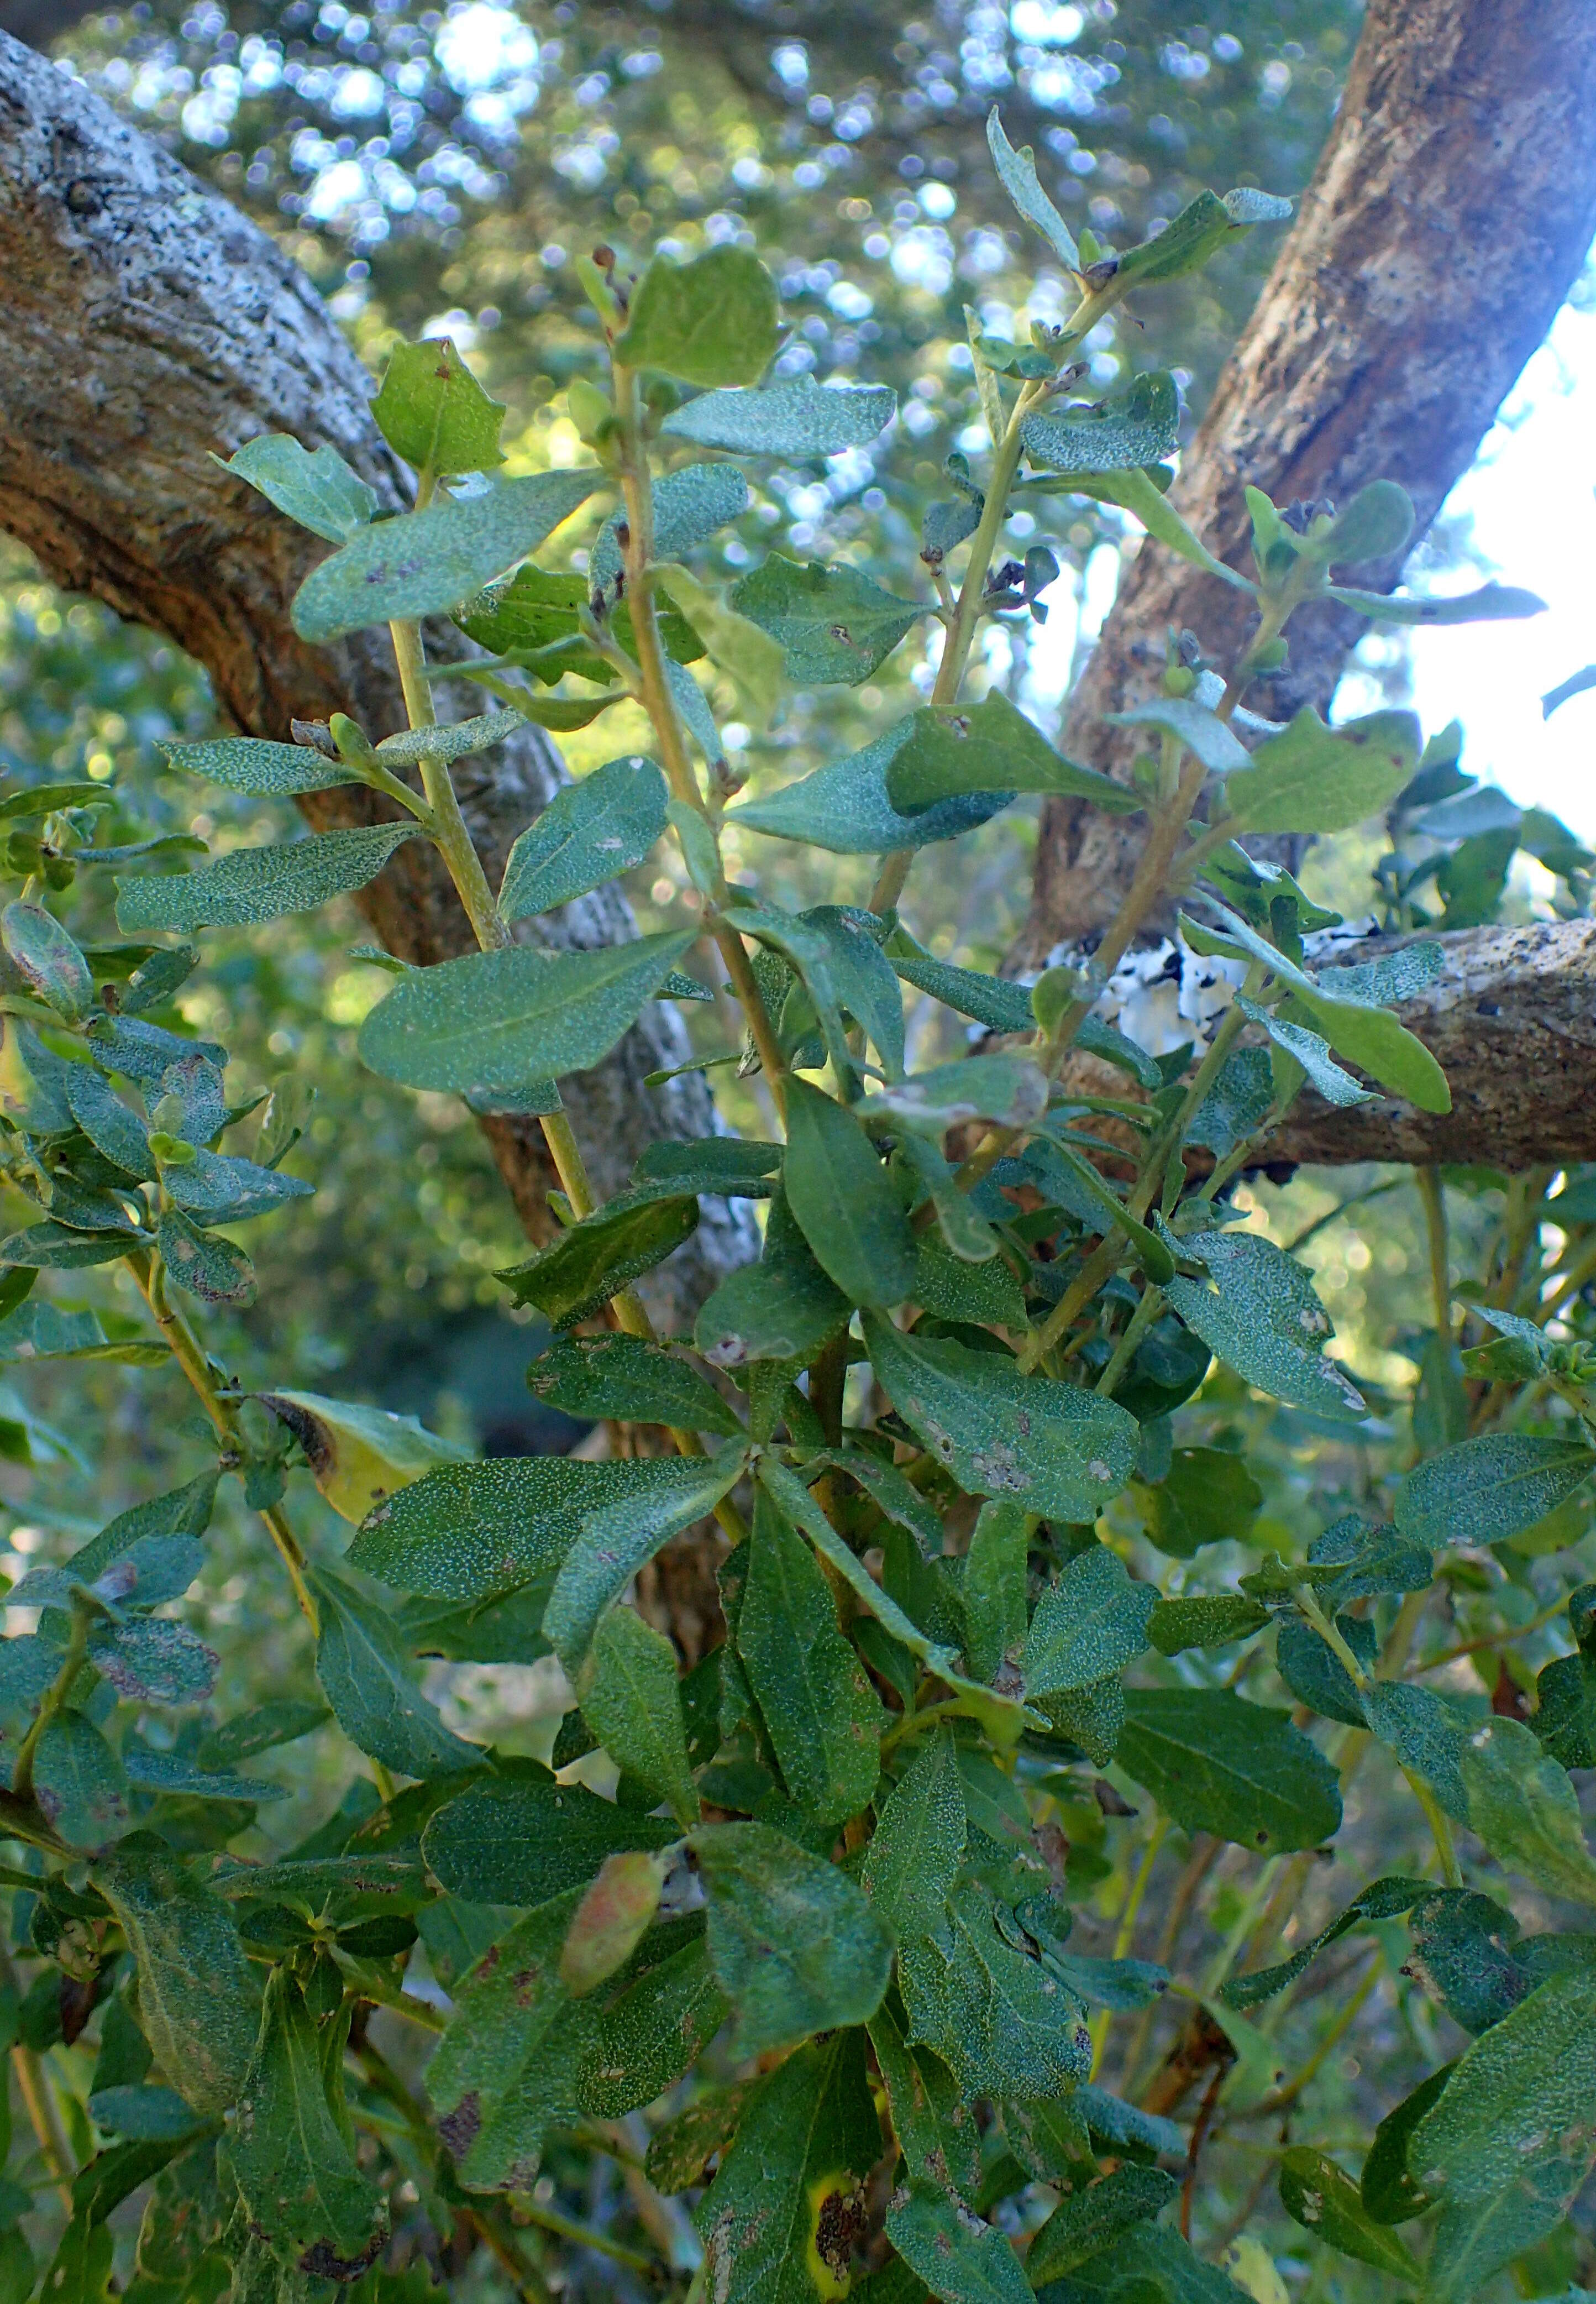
(1448, 215)
(147, 322)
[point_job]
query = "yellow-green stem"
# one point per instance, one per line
(895, 868)
(1440, 1830)
(637, 490)
(1433, 1196)
(186, 1350)
(54, 1697)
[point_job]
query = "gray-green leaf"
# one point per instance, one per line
(785, 420)
(631, 1700)
(262, 884)
(793, 1943)
(824, 1719)
(834, 624)
(491, 1020)
(319, 491)
(844, 1200)
(1216, 1763)
(588, 834)
(364, 1676)
(990, 747)
(1064, 1452)
(425, 562)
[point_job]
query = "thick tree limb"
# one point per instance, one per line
(1448, 215)
(148, 322)
(1512, 1022)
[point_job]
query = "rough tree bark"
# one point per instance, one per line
(148, 321)
(1448, 215)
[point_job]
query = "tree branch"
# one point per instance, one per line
(148, 321)
(1448, 218)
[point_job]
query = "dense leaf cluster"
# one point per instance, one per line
(804, 1903)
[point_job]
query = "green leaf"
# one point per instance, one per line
(912, 1858)
(1017, 173)
(998, 2019)
(678, 2152)
(491, 1020)
(992, 1593)
(1348, 1013)
(455, 740)
(1137, 492)
(535, 618)
(949, 1284)
(1092, 1623)
(1487, 1490)
(1007, 1089)
(358, 1455)
(936, 2134)
(1511, 2136)
(713, 321)
(365, 1677)
(471, 1531)
(795, 420)
(247, 763)
(833, 624)
(689, 507)
(1309, 1051)
(616, 1539)
(80, 2271)
(1389, 2194)
(1215, 1762)
(824, 1719)
(109, 1124)
(432, 411)
(1202, 732)
(209, 1266)
(425, 562)
(47, 960)
(290, 2151)
(734, 643)
(844, 805)
(1490, 604)
(280, 1720)
(1129, 432)
(990, 747)
(1203, 226)
(1003, 1719)
(1148, 1250)
(592, 1261)
(1315, 1674)
(1207, 1496)
(1324, 2200)
(782, 2219)
(79, 1783)
(1084, 2222)
(1203, 1623)
(631, 1700)
(793, 1943)
(738, 1166)
(1066, 1453)
(505, 2070)
(519, 1837)
(319, 490)
(959, 2258)
(782, 1309)
(1523, 1807)
(196, 2002)
(1376, 525)
(1265, 1320)
(1311, 778)
(862, 979)
(153, 1661)
(633, 1382)
(844, 1202)
(651, 2033)
(262, 884)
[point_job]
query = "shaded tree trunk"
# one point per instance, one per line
(147, 322)
(1449, 216)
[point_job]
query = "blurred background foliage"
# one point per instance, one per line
(433, 170)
